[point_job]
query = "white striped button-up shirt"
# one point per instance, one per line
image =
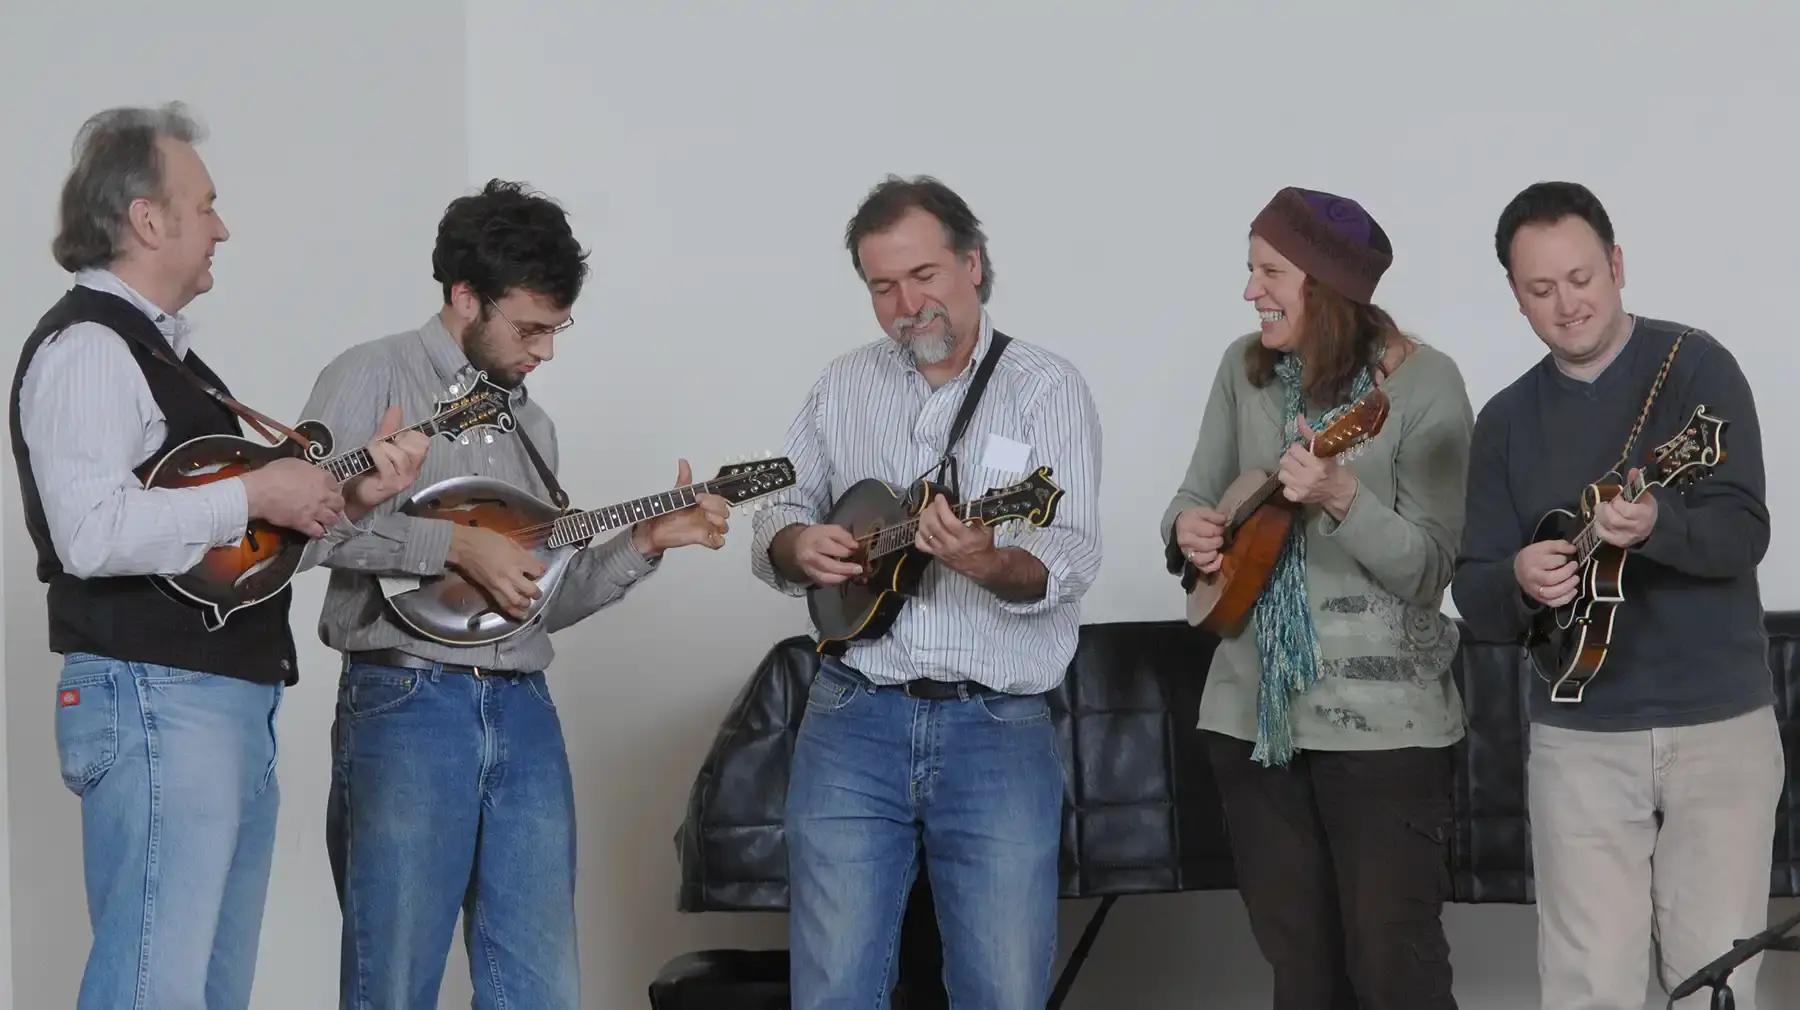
(89, 419)
(872, 414)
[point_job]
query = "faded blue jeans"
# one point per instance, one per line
(176, 774)
(971, 786)
(452, 794)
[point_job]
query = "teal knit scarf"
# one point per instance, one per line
(1285, 638)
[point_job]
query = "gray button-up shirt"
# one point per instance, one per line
(872, 414)
(416, 369)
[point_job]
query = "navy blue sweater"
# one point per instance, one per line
(1689, 645)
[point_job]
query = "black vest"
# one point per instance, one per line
(129, 617)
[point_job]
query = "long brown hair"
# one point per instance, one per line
(1338, 338)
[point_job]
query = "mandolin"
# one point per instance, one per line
(885, 525)
(1257, 521)
(448, 608)
(1568, 644)
(262, 563)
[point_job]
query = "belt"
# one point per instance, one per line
(939, 690)
(394, 657)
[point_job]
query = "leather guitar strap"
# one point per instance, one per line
(557, 494)
(947, 464)
(255, 418)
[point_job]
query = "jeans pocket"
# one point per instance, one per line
(1015, 709)
(370, 691)
(87, 722)
(538, 686)
(830, 691)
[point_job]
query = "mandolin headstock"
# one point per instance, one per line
(1359, 423)
(742, 481)
(1691, 454)
(1032, 500)
(474, 401)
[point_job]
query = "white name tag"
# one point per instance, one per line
(1005, 455)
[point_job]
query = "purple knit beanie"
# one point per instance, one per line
(1330, 237)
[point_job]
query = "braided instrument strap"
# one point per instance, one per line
(1622, 467)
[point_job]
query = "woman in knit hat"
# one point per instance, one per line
(1329, 712)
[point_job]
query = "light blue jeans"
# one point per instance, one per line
(973, 788)
(176, 774)
(452, 794)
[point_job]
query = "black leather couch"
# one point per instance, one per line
(1143, 813)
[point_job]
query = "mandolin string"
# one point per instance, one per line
(911, 525)
(339, 459)
(527, 532)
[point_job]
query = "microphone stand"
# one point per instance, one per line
(1715, 974)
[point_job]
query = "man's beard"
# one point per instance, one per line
(928, 348)
(479, 344)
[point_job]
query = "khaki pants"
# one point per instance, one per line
(1660, 837)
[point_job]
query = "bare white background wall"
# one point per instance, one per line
(710, 158)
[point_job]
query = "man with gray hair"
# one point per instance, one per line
(165, 730)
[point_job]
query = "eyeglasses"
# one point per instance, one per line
(536, 332)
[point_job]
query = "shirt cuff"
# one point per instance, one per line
(625, 565)
(1053, 587)
(222, 520)
(427, 547)
(1355, 517)
(770, 523)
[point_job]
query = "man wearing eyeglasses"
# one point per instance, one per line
(450, 781)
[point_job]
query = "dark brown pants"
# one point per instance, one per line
(1342, 864)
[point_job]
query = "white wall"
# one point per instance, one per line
(711, 160)
(337, 138)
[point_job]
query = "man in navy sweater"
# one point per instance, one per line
(1653, 797)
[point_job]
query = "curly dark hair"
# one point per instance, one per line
(505, 238)
(890, 200)
(1546, 203)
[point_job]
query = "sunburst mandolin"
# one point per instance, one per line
(260, 565)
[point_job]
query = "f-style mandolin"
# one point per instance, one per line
(229, 578)
(450, 609)
(1568, 644)
(885, 525)
(1257, 521)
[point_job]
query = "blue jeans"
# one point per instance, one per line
(451, 793)
(176, 774)
(879, 779)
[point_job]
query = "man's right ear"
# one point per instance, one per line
(464, 302)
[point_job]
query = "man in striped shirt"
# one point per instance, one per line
(451, 790)
(934, 738)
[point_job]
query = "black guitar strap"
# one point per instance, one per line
(947, 463)
(557, 494)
